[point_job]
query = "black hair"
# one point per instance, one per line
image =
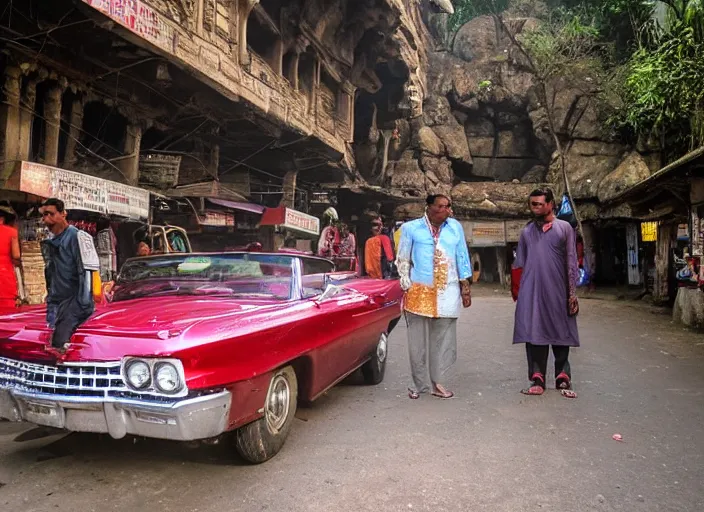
(57, 203)
(102, 223)
(290, 242)
(546, 192)
(9, 218)
(430, 200)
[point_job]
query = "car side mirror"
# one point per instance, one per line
(330, 291)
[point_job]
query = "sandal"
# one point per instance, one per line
(441, 392)
(563, 381)
(538, 387)
(413, 395)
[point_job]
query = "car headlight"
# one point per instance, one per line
(166, 378)
(138, 374)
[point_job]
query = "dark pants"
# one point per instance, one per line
(67, 316)
(537, 356)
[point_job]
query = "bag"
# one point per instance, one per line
(566, 212)
(583, 277)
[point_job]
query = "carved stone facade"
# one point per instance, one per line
(252, 51)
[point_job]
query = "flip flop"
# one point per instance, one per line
(441, 392)
(535, 390)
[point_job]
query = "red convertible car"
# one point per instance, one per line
(193, 346)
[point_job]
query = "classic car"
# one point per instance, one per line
(195, 346)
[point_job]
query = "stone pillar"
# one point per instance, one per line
(74, 130)
(289, 189)
(348, 91)
(292, 70)
(52, 115)
(246, 7)
(29, 106)
(10, 122)
(129, 165)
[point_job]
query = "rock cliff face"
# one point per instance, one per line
(483, 135)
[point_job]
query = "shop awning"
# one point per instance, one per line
(238, 205)
(80, 191)
(291, 219)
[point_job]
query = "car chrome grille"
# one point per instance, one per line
(88, 380)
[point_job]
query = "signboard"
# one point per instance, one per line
(485, 233)
(683, 232)
(513, 230)
(216, 218)
(649, 231)
(301, 221)
(139, 18)
(83, 192)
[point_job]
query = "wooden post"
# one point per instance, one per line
(10, 121)
(289, 189)
(130, 166)
(667, 234)
(501, 264)
(52, 115)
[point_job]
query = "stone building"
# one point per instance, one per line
(257, 96)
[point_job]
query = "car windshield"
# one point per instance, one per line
(248, 275)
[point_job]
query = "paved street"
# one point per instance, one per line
(372, 449)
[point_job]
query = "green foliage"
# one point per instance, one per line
(566, 45)
(466, 10)
(646, 61)
(663, 95)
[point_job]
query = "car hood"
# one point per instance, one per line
(135, 327)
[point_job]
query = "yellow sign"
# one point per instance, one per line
(649, 231)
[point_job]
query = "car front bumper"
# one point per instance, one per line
(185, 419)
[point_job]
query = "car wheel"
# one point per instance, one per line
(261, 440)
(373, 370)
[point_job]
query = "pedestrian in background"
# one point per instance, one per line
(434, 267)
(9, 257)
(378, 252)
(544, 283)
(106, 243)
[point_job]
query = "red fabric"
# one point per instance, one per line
(8, 280)
(516, 274)
(580, 254)
(388, 248)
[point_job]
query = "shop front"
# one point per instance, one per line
(91, 202)
(213, 224)
(492, 245)
(282, 224)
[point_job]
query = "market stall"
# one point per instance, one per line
(87, 199)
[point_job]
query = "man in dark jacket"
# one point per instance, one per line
(69, 257)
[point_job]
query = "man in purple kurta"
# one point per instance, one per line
(545, 275)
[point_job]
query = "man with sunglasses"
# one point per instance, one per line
(434, 267)
(543, 282)
(69, 257)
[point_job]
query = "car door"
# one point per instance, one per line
(337, 325)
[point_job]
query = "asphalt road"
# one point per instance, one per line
(372, 449)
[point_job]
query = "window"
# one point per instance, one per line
(316, 266)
